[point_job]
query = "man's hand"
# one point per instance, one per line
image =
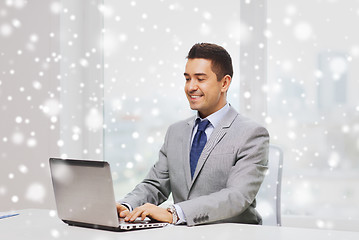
(122, 210)
(150, 210)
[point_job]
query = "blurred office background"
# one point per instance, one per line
(104, 79)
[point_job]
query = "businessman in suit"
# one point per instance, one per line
(212, 163)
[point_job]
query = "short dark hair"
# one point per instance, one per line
(221, 60)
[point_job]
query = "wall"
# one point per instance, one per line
(29, 102)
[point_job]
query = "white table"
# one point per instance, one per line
(44, 224)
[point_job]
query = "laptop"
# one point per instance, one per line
(84, 196)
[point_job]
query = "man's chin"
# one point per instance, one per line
(193, 106)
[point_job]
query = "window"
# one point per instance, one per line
(145, 45)
(294, 64)
(312, 54)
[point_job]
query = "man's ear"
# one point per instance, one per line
(226, 81)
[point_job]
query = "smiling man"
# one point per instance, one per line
(213, 163)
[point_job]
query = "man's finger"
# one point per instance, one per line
(124, 213)
(132, 215)
(120, 207)
(122, 210)
(135, 215)
(144, 215)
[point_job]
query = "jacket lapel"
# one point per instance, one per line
(218, 133)
(186, 144)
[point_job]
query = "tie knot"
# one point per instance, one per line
(203, 125)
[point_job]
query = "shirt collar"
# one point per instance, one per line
(216, 117)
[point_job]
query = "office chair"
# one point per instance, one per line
(269, 194)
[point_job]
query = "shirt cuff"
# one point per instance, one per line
(180, 214)
(128, 206)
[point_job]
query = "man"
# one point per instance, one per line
(213, 163)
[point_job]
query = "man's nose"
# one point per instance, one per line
(192, 85)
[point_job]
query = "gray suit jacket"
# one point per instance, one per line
(228, 175)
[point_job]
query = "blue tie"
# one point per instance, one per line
(199, 141)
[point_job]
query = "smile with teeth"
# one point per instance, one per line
(195, 96)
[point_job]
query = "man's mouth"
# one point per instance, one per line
(195, 96)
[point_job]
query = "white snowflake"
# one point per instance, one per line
(16, 23)
(51, 107)
(23, 169)
(135, 135)
(17, 138)
(56, 7)
(36, 192)
(14, 199)
(55, 233)
(303, 31)
(94, 120)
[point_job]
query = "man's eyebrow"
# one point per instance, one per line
(196, 74)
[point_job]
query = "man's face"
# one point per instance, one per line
(204, 93)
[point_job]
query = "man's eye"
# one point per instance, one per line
(200, 79)
(187, 79)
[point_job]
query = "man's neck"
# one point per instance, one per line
(202, 115)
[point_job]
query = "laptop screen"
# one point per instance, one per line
(84, 192)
